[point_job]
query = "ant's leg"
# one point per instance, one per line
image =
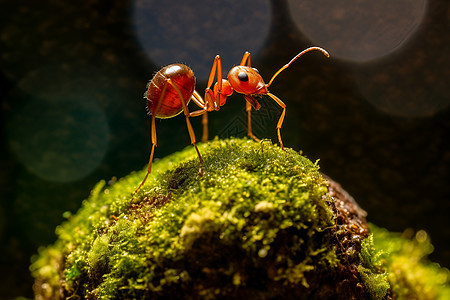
(149, 169)
(153, 137)
(200, 102)
(205, 127)
(188, 123)
(248, 108)
(212, 100)
(280, 121)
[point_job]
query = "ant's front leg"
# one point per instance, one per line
(281, 119)
(248, 108)
(246, 61)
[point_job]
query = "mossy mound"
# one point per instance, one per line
(261, 223)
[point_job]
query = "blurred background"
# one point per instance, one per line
(72, 76)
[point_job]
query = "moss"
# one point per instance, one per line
(404, 257)
(374, 277)
(261, 223)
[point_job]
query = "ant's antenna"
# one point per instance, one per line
(295, 58)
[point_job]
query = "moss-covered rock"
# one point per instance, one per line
(261, 223)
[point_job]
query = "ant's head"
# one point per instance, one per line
(246, 80)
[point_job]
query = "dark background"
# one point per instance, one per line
(72, 75)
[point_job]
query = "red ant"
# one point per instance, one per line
(170, 87)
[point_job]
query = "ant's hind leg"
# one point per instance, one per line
(149, 169)
(153, 136)
(188, 123)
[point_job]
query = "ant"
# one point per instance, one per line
(172, 87)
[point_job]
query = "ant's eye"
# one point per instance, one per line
(255, 69)
(243, 76)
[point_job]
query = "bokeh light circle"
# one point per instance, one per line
(388, 86)
(358, 30)
(193, 32)
(59, 135)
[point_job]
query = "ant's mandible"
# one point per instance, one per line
(172, 87)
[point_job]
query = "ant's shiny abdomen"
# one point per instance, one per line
(169, 105)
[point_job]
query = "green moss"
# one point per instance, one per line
(256, 225)
(410, 274)
(251, 196)
(374, 277)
